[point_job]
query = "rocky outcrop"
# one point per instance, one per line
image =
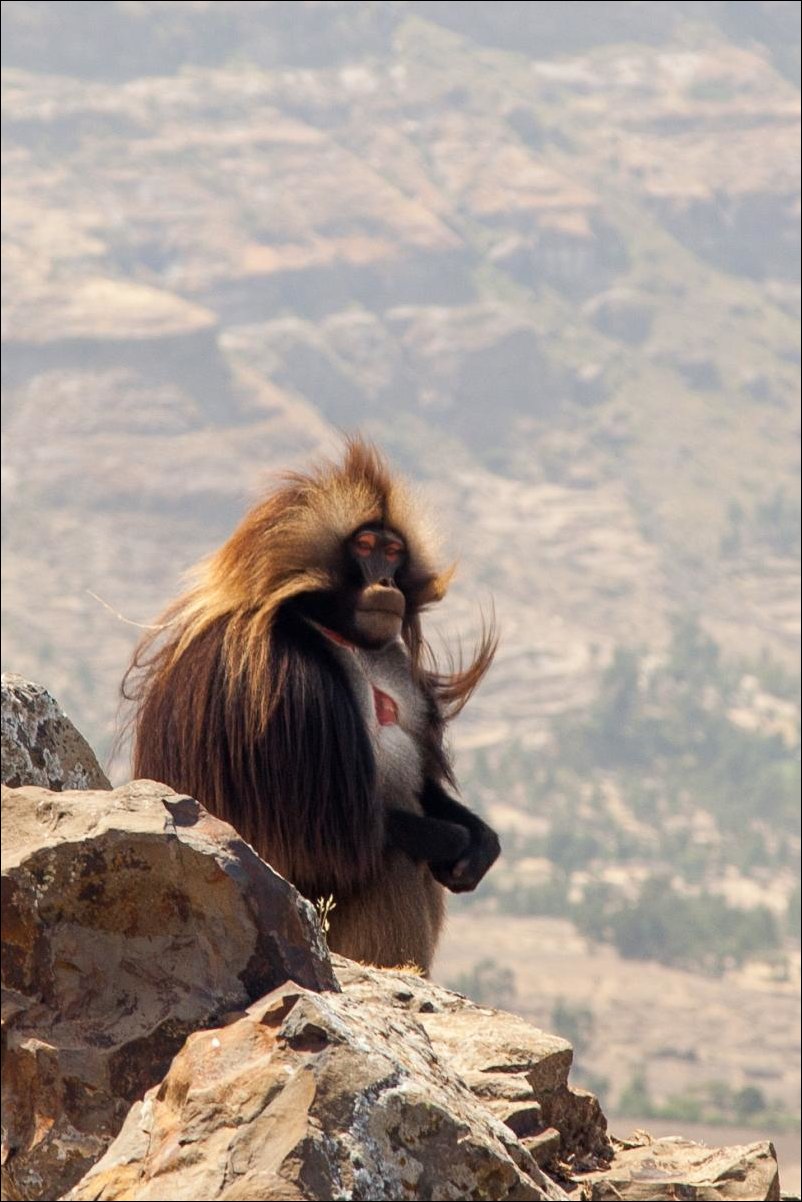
(312, 1096)
(173, 1028)
(40, 744)
(516, 1071)
(395, 1089)
(130, 919)
(369, 1094)
(676, 1168)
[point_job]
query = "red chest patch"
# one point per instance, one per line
(386, 708)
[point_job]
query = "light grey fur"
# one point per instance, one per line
(396, 916)
(399, 763)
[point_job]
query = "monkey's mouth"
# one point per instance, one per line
(383, 601)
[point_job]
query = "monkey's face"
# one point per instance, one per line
(375, 558)
(369, 606)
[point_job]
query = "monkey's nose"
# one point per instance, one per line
(386, 582)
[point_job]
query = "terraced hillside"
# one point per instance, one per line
(547, 254)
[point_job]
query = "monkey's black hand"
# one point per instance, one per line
(424, 838)
(463, 873)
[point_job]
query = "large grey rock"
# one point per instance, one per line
(130, 919)
(313, 1097)
(40, 745)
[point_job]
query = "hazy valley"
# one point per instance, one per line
(553, 268)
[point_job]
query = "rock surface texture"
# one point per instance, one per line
(311, 1096)
(40, 744)
(676, 1168)
(173, 1029)
(516, 1071)
(393, 1090)
(131, 918)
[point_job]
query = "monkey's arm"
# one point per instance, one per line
(462, 873)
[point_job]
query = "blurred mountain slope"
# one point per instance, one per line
(549, 264)
(547, 255)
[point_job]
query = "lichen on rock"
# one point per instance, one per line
(40, 745)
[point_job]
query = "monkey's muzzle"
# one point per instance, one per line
(378, 598)
(380, 613)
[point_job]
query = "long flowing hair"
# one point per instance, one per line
(217, 686)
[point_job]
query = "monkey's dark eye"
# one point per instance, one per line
(393, 551)
(364, 543)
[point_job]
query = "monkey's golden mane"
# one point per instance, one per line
(244, 703)
(287, 545)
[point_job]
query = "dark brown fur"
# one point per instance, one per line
(245, 706)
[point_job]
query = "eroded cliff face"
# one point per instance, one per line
(174, 1028)
(548, 262)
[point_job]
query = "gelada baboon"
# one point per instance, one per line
(292, 692)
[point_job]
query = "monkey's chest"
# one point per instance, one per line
(389, 702)
(385, 707)
(390, 716)
(399, 765)
(394, 710)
